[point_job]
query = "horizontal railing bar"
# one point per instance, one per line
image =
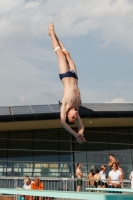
(59, 178)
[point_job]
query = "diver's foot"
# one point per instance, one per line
(50, 29)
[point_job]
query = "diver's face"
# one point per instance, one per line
(72, 116)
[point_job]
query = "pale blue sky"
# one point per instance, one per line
(98, 35)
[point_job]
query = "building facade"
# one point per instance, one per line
(32, 141)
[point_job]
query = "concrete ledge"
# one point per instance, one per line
(69, 195)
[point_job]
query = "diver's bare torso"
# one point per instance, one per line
(71, 97)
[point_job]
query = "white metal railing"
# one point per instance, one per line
(60, 184)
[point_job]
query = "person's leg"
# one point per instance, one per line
(78, 188)
(67, 54)
(62, 61)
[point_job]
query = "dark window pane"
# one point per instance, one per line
(131, 149)
(4, 135)
(118, 138)
(64, 135)
(79, 147)
(46, 156)
(131, 138)
(92, 136)
(64, 146)
(117, 129)
(26, 134)
(65, 157)
(96, 147)
(3, 154)
(46, 134)
(3, 143)
(119, 148)
(46, 145)
(98, 158)
(130, 129)
(80, 157)
(20, 155)
(20, 144)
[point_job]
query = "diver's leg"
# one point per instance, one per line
(67, 54)
(62, 60)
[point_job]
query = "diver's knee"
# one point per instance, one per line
(66, 53)
(60, 53)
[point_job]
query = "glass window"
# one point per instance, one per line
(79, 147)
(127, 170)
(131, 138)
(48, 134)
(46, 145)
(3, 143)
(131, 149)
(3, 154)
(46, 156)
(119, 148)
(3, 166)
(98, 158)
(64, 146)
(21, 134)
(97, 147)
(65, 157)
(46, 169)
(65, 170)
(24, 144)
(118, 138)
(20, 155)
(3, 134)
(98, 136)
(64, 135)
(117, 129)
(80, 157)
(19, 169)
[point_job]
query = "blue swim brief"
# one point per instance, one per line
(70, 73)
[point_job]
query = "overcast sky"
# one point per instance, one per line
(98, 34)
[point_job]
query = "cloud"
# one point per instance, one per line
(118, 100)
(111, 20)
(47, 97)
(24, 83)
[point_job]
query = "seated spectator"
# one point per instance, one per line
(27, 183)
(112, 159)
(27, 186)
(115, 177)
(103, 177)
(37, 185)
(97, 178)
